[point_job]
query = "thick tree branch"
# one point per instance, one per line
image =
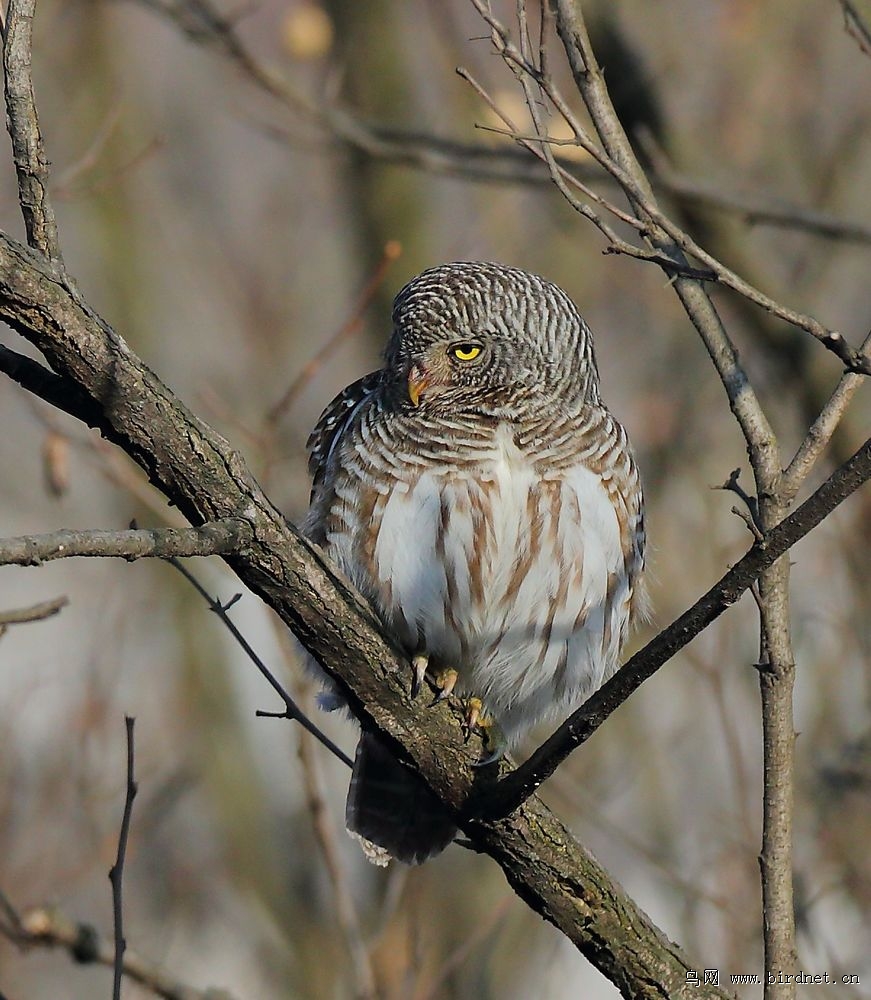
(217, 538)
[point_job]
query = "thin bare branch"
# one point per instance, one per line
(291, 709)
(217, 538)
(31, 163)
(44, 928)
(33, 613)
(346, 910)
(856, 26)
(750, 515)
(757, 209)
(116, 872)
(822, 429)
(391, 253)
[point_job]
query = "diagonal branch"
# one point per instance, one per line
(517, 786)
(822, 429)
(856, 26)
(45, 384)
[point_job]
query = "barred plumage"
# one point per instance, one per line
(480, 495)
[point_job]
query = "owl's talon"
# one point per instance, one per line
(490, 758)
(494, 741)
(419, 663)
(474, 708)
(446, 681)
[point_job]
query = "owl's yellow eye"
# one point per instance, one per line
(465, 352)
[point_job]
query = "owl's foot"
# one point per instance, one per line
(494, 739)
(445, 681)
(419, 663)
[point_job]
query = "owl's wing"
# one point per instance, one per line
(333, 421)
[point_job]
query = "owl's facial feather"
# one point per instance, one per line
(487, 339)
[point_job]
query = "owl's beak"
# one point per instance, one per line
(418, 381)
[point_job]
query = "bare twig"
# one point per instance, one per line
(460, 957)
(856, 26)
(31, 163)
(757, 209)
(291, 709)
(324, 830)
(116, 872)
(349, 923)
(34, 613)
(821, 431)
(216, 538)
(749, 514)
(44, 928)
(392, 251)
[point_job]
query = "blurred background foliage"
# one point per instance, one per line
(250, 256)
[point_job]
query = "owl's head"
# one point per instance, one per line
(473, 335)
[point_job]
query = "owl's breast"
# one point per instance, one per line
(516, 579)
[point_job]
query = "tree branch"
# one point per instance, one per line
(116, 872)
(34, 613)
(42, 382)
(43, 928)
(216, 538)
(856, 27)
(28, 151)
(291, 708)
(821, 431)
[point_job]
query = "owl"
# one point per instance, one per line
(478, 493)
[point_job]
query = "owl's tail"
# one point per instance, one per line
(391, 811)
